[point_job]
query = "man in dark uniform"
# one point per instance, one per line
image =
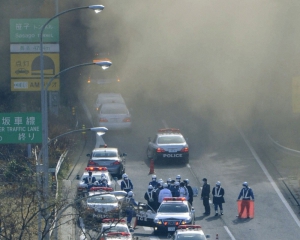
(191, 192)
(205, 196)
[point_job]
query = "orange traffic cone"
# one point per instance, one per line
(151, 167)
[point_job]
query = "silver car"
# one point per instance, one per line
(109, 158)
(114, 116)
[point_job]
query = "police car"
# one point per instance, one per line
(189, 232)
(173, 211)
(101, 203)
(97, 172)
(117, 236)
(168, 144)
(110, 225)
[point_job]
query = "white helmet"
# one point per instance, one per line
(103, 178)
(245, 184)
(178, 177)
(150, 187)
(169, 180)
(165, 185)
(124, 176)
(130, 194)
(96, 183)
(177, 183)
(218, 183)
(186, 181)
(161, 181)
(153, 177)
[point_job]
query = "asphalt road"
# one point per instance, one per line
(225, 155)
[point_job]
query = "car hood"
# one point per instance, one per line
(172, 215)
(103, 207)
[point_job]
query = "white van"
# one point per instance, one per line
(108, 98)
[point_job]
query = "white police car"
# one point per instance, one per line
(189, 232)
(97, 172)
(115, 227)
(168, 144)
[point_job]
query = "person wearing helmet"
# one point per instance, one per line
(178, 178)
(153, 181)
(104, 182)
(156, 192)
(246, 194)
(190, 190)
(205, 196)
(150, 197)
(89, 180)
(128, 204)
(218, 197)
(165, 192)
(183, 192)
(126, 184)
(175, 192)
(169, 182)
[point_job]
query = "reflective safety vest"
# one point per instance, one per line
(217, 192)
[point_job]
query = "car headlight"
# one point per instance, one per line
(157, 221)
(187, 221)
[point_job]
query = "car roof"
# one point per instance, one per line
(102, 149)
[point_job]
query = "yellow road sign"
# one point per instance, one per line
(33, 84)
(27, 65)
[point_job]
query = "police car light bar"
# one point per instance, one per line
(113, 220)
(174, 199)
(93, 169)
(189, 226)
(169, 130)
(105, 189)
(118, 234)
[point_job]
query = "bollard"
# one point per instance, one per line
(151, 167)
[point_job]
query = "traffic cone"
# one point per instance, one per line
(151, 167)
(217, 236)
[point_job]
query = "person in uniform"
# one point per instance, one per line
(178, 178)
(150, 197)
(218, 197)
(129, 203)
(190, 190)
(205, 196)
(89, 180)
(165, 192)
(153, 181)
(246, 194)
(103, 182)
(126, 184)
(156, 193)
(176, 193)
(169, 180)
(183, 192)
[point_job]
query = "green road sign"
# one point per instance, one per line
(27, 30)
(20, 128)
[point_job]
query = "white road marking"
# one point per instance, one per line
(188, 165)
(262, 166)
(153, 238)
(229, 233)
(148, 228)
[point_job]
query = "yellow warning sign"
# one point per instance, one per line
(33, 84)
(27, 65)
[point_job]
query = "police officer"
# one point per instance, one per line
(205, 196)
(103, 182)
(150, 197)
(218, 197)
(153, 182)
(169, 182)
(156, 193)
(183, 192)
(126, 184)
(128, 204)
(89, 180)
(178, 178)
(176, 193)
(190, 190)
(165, 192)
(246, 194)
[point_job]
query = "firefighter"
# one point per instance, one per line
(205, 196)
(218, 197)
(191, 192)
(126, 184)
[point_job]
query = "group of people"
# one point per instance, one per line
(218, 193)
(158, 190)
(91, 181)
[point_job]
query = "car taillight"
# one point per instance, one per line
(115, 163)
(103, 120)
(159, 150)
(185, 149)
(126, 120)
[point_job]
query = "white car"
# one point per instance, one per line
(116, 226)
(189, 232)
(114, 116)
(108, 98)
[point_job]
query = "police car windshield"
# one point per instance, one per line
(172, 208)
(104, 154)
(191, 236)
(114, 228)
(170, 139)
(102, 199)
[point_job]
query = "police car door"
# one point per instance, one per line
(145, 215)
